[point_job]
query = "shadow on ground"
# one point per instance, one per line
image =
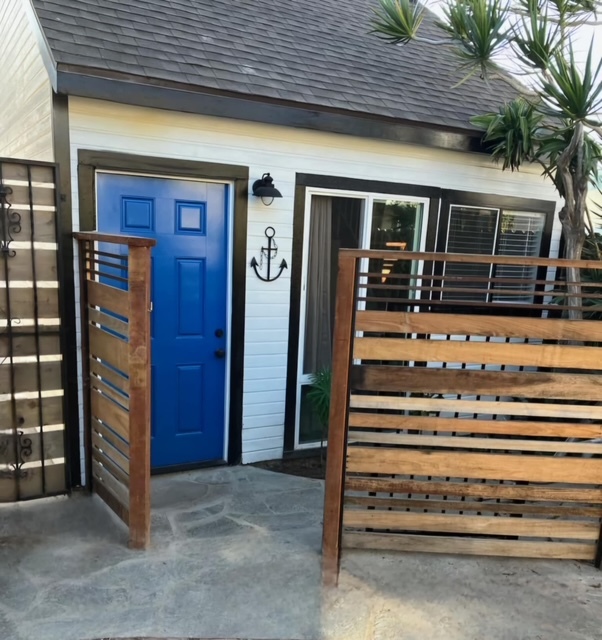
(235, 554)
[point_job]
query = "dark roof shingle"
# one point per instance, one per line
(314, 52)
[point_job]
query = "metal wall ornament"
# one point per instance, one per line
(268, 253)
(10, 222)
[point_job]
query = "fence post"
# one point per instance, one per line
(84, 251)
(337, 429)
(139, 276)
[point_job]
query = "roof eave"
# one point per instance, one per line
(140, 91)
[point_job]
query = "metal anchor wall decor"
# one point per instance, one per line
(269, 253)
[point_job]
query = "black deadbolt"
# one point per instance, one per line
(219, 333)
(220, 353)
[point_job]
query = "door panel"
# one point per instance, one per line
(189, 319)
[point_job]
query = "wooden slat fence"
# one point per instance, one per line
(32, 423)
(116, 341)
(467, 423)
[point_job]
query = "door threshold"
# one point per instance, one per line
(191, 466)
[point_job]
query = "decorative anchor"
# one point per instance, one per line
(270, 252)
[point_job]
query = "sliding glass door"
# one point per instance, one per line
(334, 221)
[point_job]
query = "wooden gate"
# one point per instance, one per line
(116, 341)
(32, 423)
(466, 412)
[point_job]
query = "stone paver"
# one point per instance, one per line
(235, 554)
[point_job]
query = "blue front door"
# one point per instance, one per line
(189, 293)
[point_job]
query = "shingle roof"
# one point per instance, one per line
(314, 52)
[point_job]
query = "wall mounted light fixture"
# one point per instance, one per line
(265, 189)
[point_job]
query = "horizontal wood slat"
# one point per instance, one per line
(456, 351)
(108, 322)
(39, 196)
(471, 325)
(483, 407)
(108, 412)
(542, 429)
(458, 442)
(22, 302)
(481, 525)
(556, 386)
(107, 347)
(470, 546)
(26, 376)
(28, 413)
(110, 375)
(110, 391)
(28, 346)
(111, 436)
(20, 266)
(551, 511)
(103, 476)
(101, 456)
(476, 490)
(112, 502)
(108, 298)
(467, 258)
(103, 444)
(32, 485)
(473, 465)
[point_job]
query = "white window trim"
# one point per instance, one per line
(366, 227)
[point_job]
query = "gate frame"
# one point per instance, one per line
(343, 342)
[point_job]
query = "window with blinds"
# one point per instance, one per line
(485, 231)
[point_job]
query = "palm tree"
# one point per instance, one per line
(555, 119)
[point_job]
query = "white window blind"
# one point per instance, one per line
(483, 231)
(521, 234)
(471, 230)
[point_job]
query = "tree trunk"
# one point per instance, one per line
(574, 238)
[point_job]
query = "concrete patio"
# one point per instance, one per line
(236, 554)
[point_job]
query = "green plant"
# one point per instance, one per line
(319, 399)
(555, 119)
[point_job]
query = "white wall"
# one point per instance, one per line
(283, 152)
(26, 95)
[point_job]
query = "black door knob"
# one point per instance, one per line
(220, 353)
(219, 333)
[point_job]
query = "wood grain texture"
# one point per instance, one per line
(103, 444)
(462, 442)
(131, 241)
(109, 322)
(470, 546)
(108, 412)
(26, 376)
(108, 348)
(109, 298)
(456, 351)
(99, 369)
(520, 384)
(139, 358)
(22, 302)
(28, 413)
(337, 436)
(551, 511)
(482, 407)
(467, 258)
(478, 490)
(542, 429)
(470, 325)
(103, 476)
(470, 524)
(474, 465)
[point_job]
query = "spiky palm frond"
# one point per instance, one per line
(537, 38)
(513, 133)
(569, 94)
(319, 395)
(398, 21)
(478, 27)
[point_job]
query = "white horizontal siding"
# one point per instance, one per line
(26, 96)
(283, 152)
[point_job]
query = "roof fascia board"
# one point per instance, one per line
(112, 89)
(43, 46)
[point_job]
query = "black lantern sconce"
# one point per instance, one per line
(265, 189)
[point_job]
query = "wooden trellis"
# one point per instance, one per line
(465, 413)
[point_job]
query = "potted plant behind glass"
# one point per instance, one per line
(319, 398)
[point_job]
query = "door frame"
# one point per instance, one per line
(90, 162)
(367, 198)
